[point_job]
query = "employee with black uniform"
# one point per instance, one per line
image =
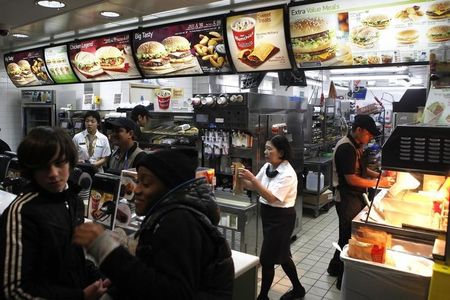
(351, 178)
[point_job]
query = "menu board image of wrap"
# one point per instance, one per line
(58, 64)
(437, 108)
(346, 33)
(193, 48)
(257, 40)
(103, 198)
(103, 58)
(27, 68)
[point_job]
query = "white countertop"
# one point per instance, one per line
(243, 262)
(5, 199)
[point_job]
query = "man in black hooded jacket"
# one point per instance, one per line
(180, 252)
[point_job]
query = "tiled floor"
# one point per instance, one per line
(311, 253)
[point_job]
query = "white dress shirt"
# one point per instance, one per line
(102, 148)
(283, 186)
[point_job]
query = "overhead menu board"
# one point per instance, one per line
(58, 64)
(193, 48)
(27, 68)
(103, 58)
(351, 32)
(257, 40)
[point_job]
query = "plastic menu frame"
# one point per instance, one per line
(35, 73)
(237, 41)
(196, 32)
(117, 63)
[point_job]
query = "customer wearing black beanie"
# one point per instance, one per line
(180, 252)
(173, 167)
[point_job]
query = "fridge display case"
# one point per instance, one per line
(38, 109)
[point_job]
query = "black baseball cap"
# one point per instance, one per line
(366, 122)
(123, 123)
(139, 110)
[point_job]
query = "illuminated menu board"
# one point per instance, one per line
(27, 68)
(257, 40)
(103, 58)
(58, 64)
(350, 32)
(183, 49)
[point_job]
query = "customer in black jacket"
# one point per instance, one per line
(180, 252)
(37, 257)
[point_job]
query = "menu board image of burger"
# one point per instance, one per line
(27, 68)
(104, 58)
(58, 64)
(182, 49)
(257, 41)
(354, 33)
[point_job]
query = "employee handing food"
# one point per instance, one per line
(276, 183)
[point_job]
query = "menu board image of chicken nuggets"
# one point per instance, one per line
(187, 48)
(257, 42)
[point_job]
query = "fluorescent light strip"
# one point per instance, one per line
(369, 70)
(367, 77)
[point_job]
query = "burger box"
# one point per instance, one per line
(325, 197)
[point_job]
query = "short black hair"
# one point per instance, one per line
(94, 114)
(139, 110)
(40, 147)
(282, 144)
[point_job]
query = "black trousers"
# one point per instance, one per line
(351, 204)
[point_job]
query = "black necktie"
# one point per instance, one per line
(271, 174)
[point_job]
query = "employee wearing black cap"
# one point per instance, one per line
(127, 152)
(180, 252)
(351, 178)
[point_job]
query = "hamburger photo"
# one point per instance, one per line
(15, 73)
(312, 40)
(179, 49)
(407, 36)
(439, 10)
(88, 64)
(378, 21)
(26, 70)
(440, 33)
(152, 56)
(111, 59)
(364, 36)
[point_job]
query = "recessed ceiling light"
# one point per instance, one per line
(110, 14)
(50, 3)
(20, 35)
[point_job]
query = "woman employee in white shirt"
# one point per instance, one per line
(92, 146)
(276, 183)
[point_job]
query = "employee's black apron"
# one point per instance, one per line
(278, 225)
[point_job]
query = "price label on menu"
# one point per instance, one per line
(257, 41)
(343, 33)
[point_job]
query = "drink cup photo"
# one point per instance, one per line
(244, 33)
(164, 99)
(95, 200)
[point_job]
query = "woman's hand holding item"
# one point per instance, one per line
(96, 289)
(86, 233)
(247, 178)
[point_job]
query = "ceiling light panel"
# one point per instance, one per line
(50, 4)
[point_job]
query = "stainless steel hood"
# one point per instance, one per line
(81, 18)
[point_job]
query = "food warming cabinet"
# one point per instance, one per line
(413, 210)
